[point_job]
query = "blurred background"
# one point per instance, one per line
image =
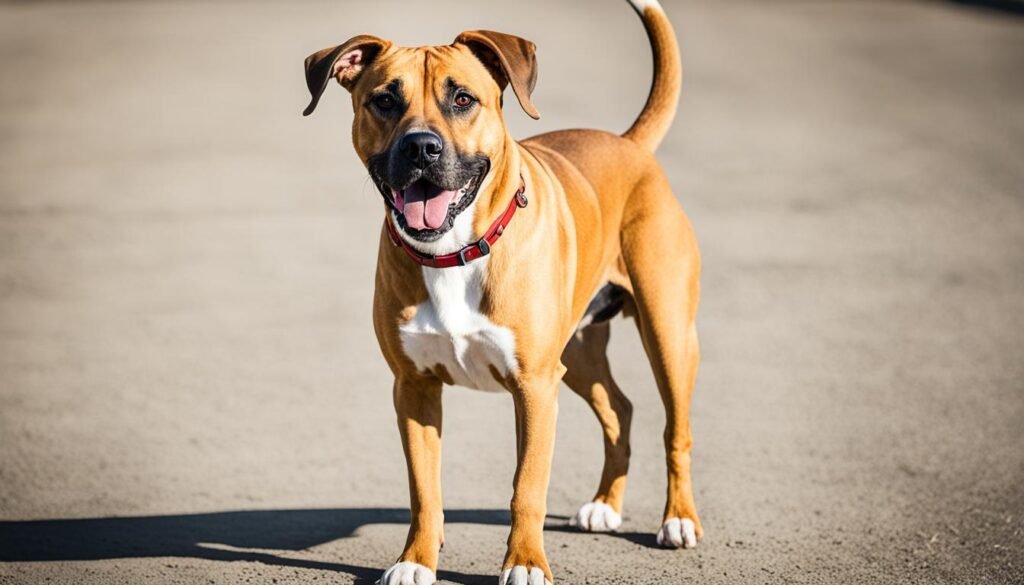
(190, 387)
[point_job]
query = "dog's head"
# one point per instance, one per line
(428, 122)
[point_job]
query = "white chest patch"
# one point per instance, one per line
(449, 330)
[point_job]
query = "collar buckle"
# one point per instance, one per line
(482, 246)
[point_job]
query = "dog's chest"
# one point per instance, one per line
(449, 331)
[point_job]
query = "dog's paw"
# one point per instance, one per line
(596, 517)
(678, 533)
(407, 573)
(520, 575)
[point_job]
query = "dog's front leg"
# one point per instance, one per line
(418, 406)
(536, 405)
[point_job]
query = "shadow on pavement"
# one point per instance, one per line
(647, 539)
(202, 536)
(1011, 7)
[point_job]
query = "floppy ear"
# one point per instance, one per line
(510, 59)
(344, 62)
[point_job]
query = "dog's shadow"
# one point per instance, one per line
(213, 536)
(249, 535)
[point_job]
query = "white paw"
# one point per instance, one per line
(406, 573)
(678, 533)
(520, 575)
(596, 517)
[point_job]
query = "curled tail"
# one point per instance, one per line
(654, 120)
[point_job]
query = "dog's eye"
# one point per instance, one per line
(464, 100)
(384, 102)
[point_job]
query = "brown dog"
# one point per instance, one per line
(601, 233)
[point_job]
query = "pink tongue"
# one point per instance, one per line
(426, 205)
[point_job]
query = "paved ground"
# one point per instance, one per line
(190, 390)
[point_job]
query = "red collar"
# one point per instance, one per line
(478, 249)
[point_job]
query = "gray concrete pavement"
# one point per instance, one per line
(190, 390)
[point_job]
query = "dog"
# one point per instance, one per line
(501, 262)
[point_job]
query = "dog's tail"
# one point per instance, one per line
(653, 122)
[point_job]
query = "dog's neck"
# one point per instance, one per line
(498, 189)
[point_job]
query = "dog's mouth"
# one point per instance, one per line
(424, 210)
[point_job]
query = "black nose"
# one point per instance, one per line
(421, 148)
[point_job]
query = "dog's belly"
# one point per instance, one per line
(448, 332)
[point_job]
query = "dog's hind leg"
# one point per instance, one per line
(589, 375)
(663, 263)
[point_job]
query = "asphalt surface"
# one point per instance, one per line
(191, 392)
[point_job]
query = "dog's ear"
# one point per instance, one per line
(510, 59)
(344, 62)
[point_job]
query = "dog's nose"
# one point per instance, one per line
(422, 148)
